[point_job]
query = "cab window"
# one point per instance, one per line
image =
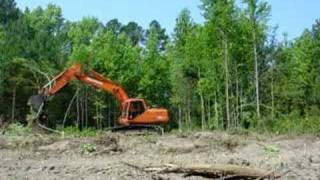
(136, 108)
(125, 110)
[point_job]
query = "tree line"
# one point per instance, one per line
(229, 72)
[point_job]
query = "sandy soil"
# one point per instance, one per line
(108, 155)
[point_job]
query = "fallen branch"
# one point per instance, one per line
(69, 107)
(211, 171)
(49, 129)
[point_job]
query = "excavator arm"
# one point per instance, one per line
(76, 72)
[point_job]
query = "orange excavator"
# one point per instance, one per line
(134, 111)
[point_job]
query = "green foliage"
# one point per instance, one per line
(117, 59)
(114, 26)
(73, 131)
(271, 150)
(88, 148)
(81, 35)
(296, 125)
(8, 11)
(195, 74)
(154, 84)
(18, 130)
(45, 27)
(133, 31)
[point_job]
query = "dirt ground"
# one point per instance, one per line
(110, 155)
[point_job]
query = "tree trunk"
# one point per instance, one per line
(216, 112)
(241, 110)
(115, 106)
(237, 100)
(203, 115)
(216, 171)
(109, 114)
(256, 70)
(226, 80)
(189, 112)
(86, 107)
(78, 111)
(209, 112)
(14, 92)
(69, 108)
(97, 117)
(186, 114)
(82, 111)
(186, 120)
(180, 120)
(272, 96)
(1, 85)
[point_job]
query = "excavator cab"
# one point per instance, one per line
(136, 112)
(133, 108)
(136, 107)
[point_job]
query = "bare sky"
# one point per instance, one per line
(292, 16)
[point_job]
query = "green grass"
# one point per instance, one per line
(73, 131)
(287, 125)
(308, 125)
(88, 148)
(17, 130)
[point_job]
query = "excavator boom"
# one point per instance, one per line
(92, 78)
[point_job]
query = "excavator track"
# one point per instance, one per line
(139, 128)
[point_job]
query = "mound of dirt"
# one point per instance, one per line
(180, 145)
(59, 146)
(108, 139)
(3, 143)
(109, 144)
(53, 157)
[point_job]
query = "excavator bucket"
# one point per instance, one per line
(36, 102)
(38, 112)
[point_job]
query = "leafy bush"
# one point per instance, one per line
(308, 125)
(270, 149)
(16, 129)
(88, 148)
(73, 131)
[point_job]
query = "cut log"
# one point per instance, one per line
(59, 146)
(212, 171)
(219, 171)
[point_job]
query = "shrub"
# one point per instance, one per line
(308, 125)
(88, 148)
(73, 131)
(17, 129)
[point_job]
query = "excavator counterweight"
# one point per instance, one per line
(134, 111)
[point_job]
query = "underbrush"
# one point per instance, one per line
(290, 125)
(298, 126)
(73, 131)
(17, 129)
(286, 125)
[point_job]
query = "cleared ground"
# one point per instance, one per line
(111, 155)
